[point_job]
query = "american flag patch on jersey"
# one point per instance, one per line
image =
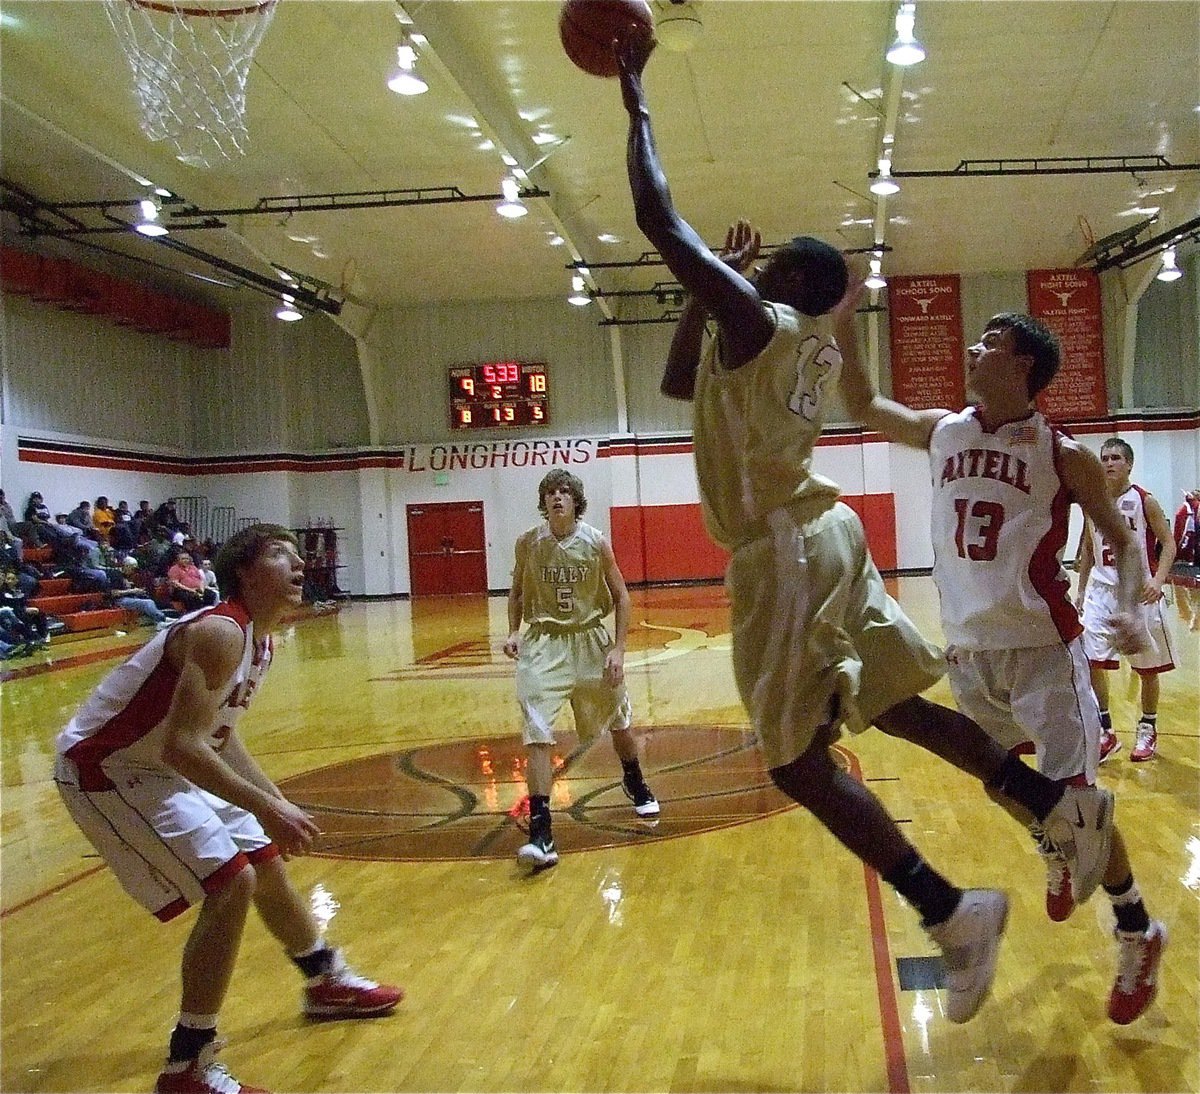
(1024, 434)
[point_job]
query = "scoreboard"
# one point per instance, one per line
(499, 395)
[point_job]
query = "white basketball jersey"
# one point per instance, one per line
(123, 717)
(999, 529)
(1132, 507)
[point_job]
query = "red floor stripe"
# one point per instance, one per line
(50, 892)
(885, 988)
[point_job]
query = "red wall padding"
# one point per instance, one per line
(656, 543)
(67, 285)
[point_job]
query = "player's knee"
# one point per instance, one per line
(240, 888)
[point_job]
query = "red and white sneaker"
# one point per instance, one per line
(1110, 744)
(1146, 744)
(342, 993)
(1060, 901)
(203, 1075)
(1136, 985)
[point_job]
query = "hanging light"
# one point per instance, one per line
(906, 50)
(875, 280)
(1170, 271)
(579, 296)
(678, 26)
(885, 184)
(149, 224)
(512, 206)
(288, 311)
(404, 80)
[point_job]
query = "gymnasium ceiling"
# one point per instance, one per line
(776, 114)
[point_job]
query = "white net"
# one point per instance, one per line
(190, 62)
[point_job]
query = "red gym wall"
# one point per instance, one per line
(656, 543)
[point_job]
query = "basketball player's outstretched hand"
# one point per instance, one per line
(742, 243)
(291, 829)
(1129, 633)
(633, 50)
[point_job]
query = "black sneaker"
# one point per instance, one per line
(644, 803)
(538, 852)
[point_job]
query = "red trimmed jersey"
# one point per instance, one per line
(1132, 507)
(122, 720)
(999, 519)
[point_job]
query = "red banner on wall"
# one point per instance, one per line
(1068, 302)
(925, 324)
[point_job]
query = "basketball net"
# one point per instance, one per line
(190, 62)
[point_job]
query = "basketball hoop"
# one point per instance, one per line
(189, 64)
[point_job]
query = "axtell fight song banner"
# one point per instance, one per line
(1068, 302)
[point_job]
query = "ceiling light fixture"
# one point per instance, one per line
(876, 280)
(288, 312)
(885, 184)
(678, 26)
(1170, 271)
(512, 206)
(149, 224)
(579, 296)
(906, 50)
(404, 80)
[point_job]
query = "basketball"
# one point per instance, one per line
(588, 27)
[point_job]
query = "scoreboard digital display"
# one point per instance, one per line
(499, 395)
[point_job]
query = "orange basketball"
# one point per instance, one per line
(588, 27)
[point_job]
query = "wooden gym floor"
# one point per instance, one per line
(731, 947)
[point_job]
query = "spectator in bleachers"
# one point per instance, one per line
(86, 572)
(134, 598)
(142, 521)
(11, 547)
(156, 555)
(81, 517)
(210, 576)
(165, 515)
(182, 534)
(103, 518)
(21, 619)
(35, 529)
(121, 537)
(186, 583)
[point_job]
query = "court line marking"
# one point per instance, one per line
(885, 990)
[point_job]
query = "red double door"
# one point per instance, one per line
(447, 551)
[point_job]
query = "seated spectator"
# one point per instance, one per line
(11, 548)
(85, 571)
(103, 518)
(121, 537)
(182, 535)
(37, 519)
(186, 583)
(142, 521)
(22, 620)
(210, 577)
(81, 517)
(165, 515)
(122, 513)
(133, 598)
(157, 554)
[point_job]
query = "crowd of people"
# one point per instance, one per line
(145, 561)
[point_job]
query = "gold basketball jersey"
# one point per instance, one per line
(563, 583)
(755, 426)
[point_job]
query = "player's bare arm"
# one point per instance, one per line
(614, 664)
(207, 654)
(894, 420)
(742, 245)
(1083, 561)
(745, 326)
(1083, 476)
(1160, 526)
(512, 644)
